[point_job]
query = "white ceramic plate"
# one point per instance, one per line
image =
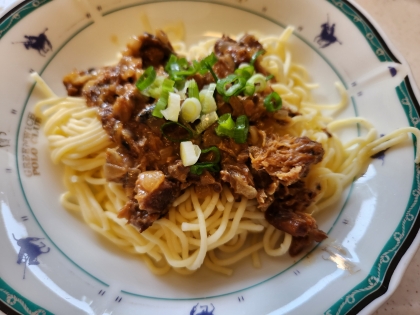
(70, 270)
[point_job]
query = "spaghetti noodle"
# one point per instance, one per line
(216, 230)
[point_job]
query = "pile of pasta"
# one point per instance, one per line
(216, 231)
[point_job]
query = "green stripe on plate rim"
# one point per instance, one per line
(16, 301)
(374, 280)
(371, 282)
(19, 14)
(358, 20)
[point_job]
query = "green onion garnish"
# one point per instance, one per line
(272, 102)
(256, 55)
(207, 100)
(167, 87)
(207, 64)
(237, 84)
(216, 152)
(193, 89)
(245, 72)
(146, 79)
(212, 166)
(269, 77)
(198, 168)
(177, 128)
(258, 80)
(179, 68)
(226, 126)
(240, 133)
(249, 89)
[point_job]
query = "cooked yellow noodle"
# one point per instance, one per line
(196, 229)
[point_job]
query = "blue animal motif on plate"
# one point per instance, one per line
(204, 309)
(30, 249)
(40, 43)
(327, 36)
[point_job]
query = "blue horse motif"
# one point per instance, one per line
(30, 250)
(39, 43)
(205, 310)
(327, 36)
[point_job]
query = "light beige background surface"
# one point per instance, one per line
(400, 20)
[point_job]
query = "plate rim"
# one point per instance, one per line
(410, 244)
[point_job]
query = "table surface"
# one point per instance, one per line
(399, 19)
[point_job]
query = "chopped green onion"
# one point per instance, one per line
(167, 86)
(189, 153)
(207, 100)
(226, 126)
(199, 168)
(206, 121)
(179, 68)
(207, 64)
(245, 72)
(237, 84)
(190, 109)
(193, 89)
(256, 55)
(249, 89)
(269, 77)
(259, 81)
(174, 107)
(226, 121)
(216, 152)
(240, 133)
(272, 102)
(146, 79)
(155, 88)
(177, 128)
(212, 166)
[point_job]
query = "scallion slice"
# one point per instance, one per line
(212, 166)
(226, 126)
(167, 87)
(190, 109)
(259, 81)
(199, 168)
(206, 121)
(189, 153)
(207, 64)
(215, 151)
(207, 100)
(174, 107)
(193, 89)
(240, 133)
(237, 84)
(245, 72)
(146, 79)
(272, 102)
(176, 132)
(256, 55)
